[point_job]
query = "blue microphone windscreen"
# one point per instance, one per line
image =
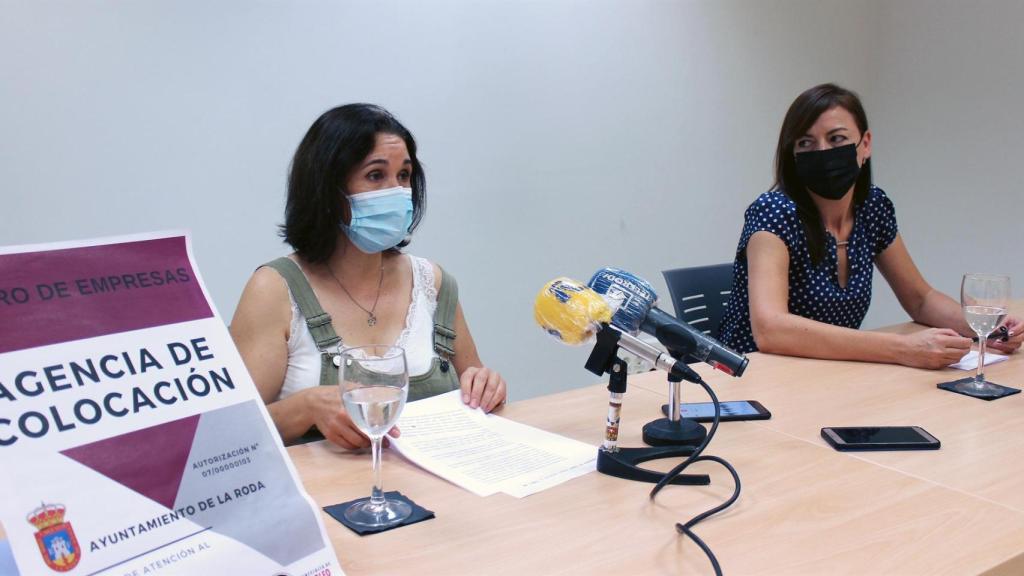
(634, 295)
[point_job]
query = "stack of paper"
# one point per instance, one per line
(485, 453)
(970, 360)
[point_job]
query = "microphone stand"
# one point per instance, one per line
(674, 430)
(623, 462)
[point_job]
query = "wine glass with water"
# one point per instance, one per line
(374, 383)
(984, 298)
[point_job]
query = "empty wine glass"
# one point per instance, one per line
(374, 384)
(984, 298)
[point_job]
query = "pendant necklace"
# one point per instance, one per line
(371, 318)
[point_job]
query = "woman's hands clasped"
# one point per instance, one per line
(939, 347)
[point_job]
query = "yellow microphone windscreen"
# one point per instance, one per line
(570, 311)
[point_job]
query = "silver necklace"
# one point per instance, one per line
(839, 243)
(371, 318)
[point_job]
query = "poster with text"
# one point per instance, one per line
(132, 439)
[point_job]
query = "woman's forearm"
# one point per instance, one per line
(794, 335)
(941, 311)
(292, 416)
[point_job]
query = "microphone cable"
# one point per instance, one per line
(686, 528)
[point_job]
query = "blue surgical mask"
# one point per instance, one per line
(380, 219)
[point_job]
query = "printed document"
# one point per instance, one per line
(485, 453)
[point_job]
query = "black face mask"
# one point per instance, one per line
(829, 173)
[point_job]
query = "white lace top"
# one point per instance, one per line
(417, 337)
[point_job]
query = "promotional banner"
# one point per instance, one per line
(132, 439)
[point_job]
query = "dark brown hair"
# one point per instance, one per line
(335, 144)
(802, 114)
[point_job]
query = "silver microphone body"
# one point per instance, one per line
(645, 351)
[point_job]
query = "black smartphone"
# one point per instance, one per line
(731, 410)
(880, 438)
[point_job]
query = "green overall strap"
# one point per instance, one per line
(444, 318)
(318, 321)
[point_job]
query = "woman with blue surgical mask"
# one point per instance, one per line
(356, 193)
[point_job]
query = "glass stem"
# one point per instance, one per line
(979, 377)
(377, 496)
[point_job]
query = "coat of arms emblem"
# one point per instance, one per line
(56, 539)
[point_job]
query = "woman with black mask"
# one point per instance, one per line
(804, 263)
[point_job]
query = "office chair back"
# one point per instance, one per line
(700, 295)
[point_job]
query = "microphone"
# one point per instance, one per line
(574, 313)
(638, 312)
(569, 311)
(653, 356)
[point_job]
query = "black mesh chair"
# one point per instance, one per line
(700, 295)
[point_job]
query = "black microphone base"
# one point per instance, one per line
(622, 463)
(665, 432)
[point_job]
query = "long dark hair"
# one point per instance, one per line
(802, 114)
(334, 145)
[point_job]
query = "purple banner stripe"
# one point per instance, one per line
(58, 296)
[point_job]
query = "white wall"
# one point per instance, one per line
(558, 136)
(949, 137)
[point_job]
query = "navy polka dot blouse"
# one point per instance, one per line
(814, 291)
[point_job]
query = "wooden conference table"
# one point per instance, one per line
(804, 508)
